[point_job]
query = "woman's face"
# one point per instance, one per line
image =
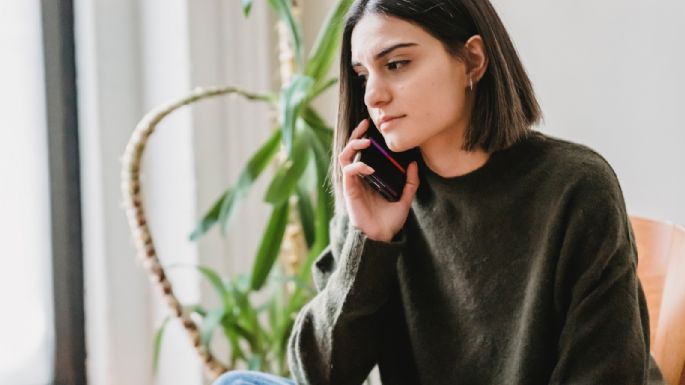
(412, 78)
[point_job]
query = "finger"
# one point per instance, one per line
(357, 168)
(360, 129)
(412, 184)
(346, 156)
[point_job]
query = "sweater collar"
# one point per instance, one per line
(496, 166)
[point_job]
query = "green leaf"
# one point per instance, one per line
(231, 332)
(314, 119)
(247, 6)
(213, 278)
(282, 331)
(306, 211)
(273, 314)
(324, 207)
(293, 97)
(270, 246)
(324, 213)
(324, 198)
(244, 315)
(289, 173)
(326, 45)
(261, 158)
(304, 291)
(242, 301)
(210, 217)
(273, 306)
(217, 284)
(223, 209)
(210, 323)
(320, 141)
(240, 330)
(284, 10)
(322, 86)
(324, 136)
(157, 344)
(241, 282)
(283, 341)
(229, 204)
(213, 215)
(279, 307)
(276, 307)
(254, 168)
(198, 309)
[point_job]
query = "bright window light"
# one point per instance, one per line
(26, 336)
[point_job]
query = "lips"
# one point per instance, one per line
(387, 119)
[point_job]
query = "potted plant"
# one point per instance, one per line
(299, 193)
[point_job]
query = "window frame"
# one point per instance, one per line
(57, 19)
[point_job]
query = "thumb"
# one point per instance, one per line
(411, 185)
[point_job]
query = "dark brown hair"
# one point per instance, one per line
(504, 106)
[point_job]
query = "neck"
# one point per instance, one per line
(444, 155)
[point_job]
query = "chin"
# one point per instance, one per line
(396, 146)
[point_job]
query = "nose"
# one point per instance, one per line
(377, 93)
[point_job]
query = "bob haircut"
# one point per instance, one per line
(504, 105)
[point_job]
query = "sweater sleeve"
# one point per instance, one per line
(335, 336)
(604, 335)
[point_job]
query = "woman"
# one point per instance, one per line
(509, 258)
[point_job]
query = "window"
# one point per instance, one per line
(41, 276)
(26, 329)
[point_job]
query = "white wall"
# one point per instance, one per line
(609, 75)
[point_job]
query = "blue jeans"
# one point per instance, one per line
(247, 377)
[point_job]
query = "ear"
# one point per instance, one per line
(476, 57)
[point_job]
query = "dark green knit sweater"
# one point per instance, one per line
(520, 272)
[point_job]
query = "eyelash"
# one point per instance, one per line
(362, 78)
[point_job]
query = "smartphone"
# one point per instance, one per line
(390, 168)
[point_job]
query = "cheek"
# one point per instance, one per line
(441, 103)
(434, 96)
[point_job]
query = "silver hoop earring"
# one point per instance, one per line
(471, 84)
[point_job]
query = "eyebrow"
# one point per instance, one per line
(386, 51)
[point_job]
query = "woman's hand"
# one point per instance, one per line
(376, 217)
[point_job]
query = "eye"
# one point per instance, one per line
(391, 66)
(395, 65)
(362, 79)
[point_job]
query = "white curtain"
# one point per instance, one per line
(26, 320)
